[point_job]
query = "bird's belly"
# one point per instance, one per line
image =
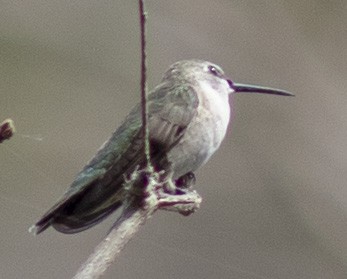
(201, 139)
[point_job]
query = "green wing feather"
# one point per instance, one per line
(97, 189)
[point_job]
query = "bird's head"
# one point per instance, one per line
(205, 73)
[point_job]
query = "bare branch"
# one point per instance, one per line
(185, 204)
(140, 206)
(106, 252)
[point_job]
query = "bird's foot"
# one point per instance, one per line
(177, 195)
(149, 191)
(180, 186)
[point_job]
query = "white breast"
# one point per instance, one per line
(204, 134)
(214, 104)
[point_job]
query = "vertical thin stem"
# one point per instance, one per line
(142, 14)
(133, 216)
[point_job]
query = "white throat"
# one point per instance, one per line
(215, 103)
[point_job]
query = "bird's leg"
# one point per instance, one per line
(171, 187)
(186, 181)
(180, 186)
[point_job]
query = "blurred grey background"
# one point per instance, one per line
(275, 195)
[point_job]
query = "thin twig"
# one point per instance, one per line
(6, 130)
(142, 14)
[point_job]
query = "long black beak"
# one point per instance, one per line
(246, 88)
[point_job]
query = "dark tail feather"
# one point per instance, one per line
(80, 209)
(48, 218)
(70, 224)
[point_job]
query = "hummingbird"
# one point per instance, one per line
(188, 116)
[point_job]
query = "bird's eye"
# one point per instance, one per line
(214, 71)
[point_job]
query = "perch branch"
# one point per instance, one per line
(106, 252)
(140, 206)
